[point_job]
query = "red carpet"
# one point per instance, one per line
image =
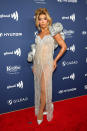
(69, 115)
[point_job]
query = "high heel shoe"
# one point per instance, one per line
(45, 113)
(50, 116)
(39, 121)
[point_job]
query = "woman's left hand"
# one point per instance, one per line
(54, 64)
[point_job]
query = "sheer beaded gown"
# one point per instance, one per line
(43, 63)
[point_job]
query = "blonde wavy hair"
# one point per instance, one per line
(40, 11)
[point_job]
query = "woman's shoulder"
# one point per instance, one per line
(55, 28)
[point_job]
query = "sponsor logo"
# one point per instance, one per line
(84, 32)
(15, 52)
(85, 87)
(65, 63)
(71, 17)
(14, 101)
(13, 69)
(40, 1)
(72, 77)
(68, 33)
(68, 1)
(71, 48)
(10, 34)
(13, 15)
(67, 90)
(18, 85)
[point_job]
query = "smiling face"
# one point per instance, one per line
(43, 21)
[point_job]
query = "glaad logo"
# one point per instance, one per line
(10, 34)
(72, 1)
(68, 33)
(13, 69)
(20, 85)
(13, 16)
(64, 63)
(71, 17)
(72, 48)
(10, 102)
(67, 90)
(72, 76)
(16, 52)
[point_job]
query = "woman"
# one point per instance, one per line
(44, 65)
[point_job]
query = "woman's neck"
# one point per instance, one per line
(44, 29)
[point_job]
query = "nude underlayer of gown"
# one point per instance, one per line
(43, 62)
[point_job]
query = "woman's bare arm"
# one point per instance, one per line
(63, 45)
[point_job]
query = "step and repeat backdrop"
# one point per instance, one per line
(17, 33)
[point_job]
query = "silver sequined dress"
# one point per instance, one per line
(43, 62)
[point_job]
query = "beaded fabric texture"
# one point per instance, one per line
(54, 29)
(42, 57)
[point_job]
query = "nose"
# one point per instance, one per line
(43, 20)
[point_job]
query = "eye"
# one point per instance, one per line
(39, 19)
(45, 18)
(42, 19)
